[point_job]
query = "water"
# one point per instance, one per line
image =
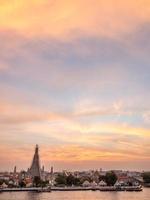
(77, 195)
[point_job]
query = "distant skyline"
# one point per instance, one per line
(75, 79)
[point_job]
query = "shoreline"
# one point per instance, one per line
(101, 189)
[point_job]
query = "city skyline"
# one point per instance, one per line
(75, 79)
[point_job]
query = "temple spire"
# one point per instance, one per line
(35, 169)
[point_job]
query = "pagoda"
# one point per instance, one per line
(35, 170)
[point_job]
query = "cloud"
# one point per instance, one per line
(75, 80)
(146, 117)
(61, 65)
(67, 141)
(87, 107)
(74, 153)
(68, 18)
(22, 113)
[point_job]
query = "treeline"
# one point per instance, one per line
(70, 180)
(63, 180)
(110, 178)
(146, 178)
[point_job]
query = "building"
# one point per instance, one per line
(35, 170)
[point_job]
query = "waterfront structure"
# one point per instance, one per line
(52, 170)
(15, 170)
(35, 169)
(86, 183)
(102, 183)
(42, 168)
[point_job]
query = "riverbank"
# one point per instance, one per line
(131, 188)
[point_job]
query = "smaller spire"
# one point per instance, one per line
(15, 170)
(43, 168)
(52, 170)
(36, 148)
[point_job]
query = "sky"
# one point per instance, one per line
(75, 79)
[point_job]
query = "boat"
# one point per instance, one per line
(47, 189)
(133, 188)
(107, 188)
(121, 188)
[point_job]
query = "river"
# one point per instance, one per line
(77, 195)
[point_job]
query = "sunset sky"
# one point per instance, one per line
(75, 79)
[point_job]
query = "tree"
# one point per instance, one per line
(1, 181)
(146, 177)
(44, 183)
(22, 184)
(102, 178)
(36, 181)
(61, 179)
(110, 178)
(77, 181)
(71, 180)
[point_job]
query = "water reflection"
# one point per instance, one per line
(33, 196)
(80, 195)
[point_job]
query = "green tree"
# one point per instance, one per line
(44, 183)
(110, 178)
(72, 180)
(61, 179)
(102, 178)
(22, 184)
(146, 177)
(77, 181)
(36, 181)
(1, 181)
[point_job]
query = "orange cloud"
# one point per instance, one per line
(80, 153)
(70, 153)
(62, 18)
(15, 113)
(71, 138)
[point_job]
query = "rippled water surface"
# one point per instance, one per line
(81, 195)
